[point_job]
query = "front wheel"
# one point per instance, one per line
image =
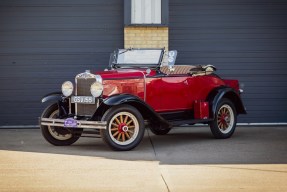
(58, 135)
(125, 127)
(224, 123)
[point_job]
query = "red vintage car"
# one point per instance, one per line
(141, 87)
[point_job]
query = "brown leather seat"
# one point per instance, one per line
(194, 70)
(178, 69)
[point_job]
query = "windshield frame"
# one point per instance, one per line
(136, 65)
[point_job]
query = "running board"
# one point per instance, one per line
(189, 121)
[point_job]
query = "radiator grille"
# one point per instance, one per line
(83, 89)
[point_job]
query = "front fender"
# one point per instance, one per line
(146, 111)
(121, 99)
(225, 92)
(55, 96)
(62, 102)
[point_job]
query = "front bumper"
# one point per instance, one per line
(80, 123)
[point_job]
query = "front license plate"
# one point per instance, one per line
(83, 99)
(70, 122)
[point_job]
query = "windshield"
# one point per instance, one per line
(136, 57)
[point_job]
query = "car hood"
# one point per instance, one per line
(130, 81)
(122, 74)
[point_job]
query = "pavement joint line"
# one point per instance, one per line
(162, 177)
(164, 182)
(152, 144)
(249, 169)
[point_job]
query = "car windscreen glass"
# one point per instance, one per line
(134, 56)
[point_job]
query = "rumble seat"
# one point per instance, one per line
(188, 69)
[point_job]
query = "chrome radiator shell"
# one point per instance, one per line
(83, 84)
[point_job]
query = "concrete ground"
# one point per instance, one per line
(187, 159)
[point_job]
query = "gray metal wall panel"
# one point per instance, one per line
(43, 43)
(245, 40)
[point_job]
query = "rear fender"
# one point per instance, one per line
(146, 111)
(225, 92)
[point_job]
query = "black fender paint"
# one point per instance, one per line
(224, 92)
(146, 111)
(57, 97)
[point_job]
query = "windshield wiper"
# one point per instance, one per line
(119, 53)
(129, 49)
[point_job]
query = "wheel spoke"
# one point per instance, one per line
(219, 114)
(117, 120)
(114, 124)
(222, 111)
(124, 138)
(225, 126)
(117, 132)
(131, 127)
(121, 119)
(126, 119)
(129, 122)
(128, 136)
(220, 125)
(114, 129)
(119, 135)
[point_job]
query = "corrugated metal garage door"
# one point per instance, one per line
(43, 43)
(244, 39)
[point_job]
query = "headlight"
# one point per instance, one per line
(67, 88)
(97, 89)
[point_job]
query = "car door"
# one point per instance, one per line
(168, 93)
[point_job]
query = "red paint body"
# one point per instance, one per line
(162, 93)
(201, 109)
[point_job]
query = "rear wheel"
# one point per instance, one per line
(224, 123)
(125, 127)
(58, 135)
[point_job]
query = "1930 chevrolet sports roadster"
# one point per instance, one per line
(137, 90)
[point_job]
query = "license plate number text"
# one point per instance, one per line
(83, 99)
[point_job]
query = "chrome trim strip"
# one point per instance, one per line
(76, 93)
(80, 123)
(70, 106)
(144, 85)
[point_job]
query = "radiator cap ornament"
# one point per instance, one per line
(87, 74)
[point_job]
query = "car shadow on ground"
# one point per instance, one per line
(190, 145)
